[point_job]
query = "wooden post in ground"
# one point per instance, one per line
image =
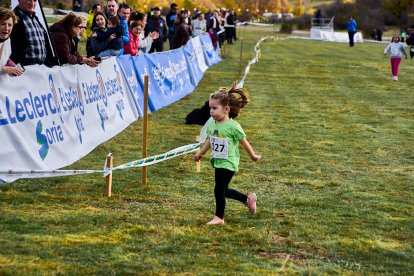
(145, 130)
(241, 55)
(199, 161)
(108, 185)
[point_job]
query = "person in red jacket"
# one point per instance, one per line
(135, 29)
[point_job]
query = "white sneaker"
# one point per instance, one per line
(394, 78)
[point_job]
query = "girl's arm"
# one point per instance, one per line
(404, 51)
(387, 49)
(202, 151)
(249, 150)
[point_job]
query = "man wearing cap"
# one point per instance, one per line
(156, 23)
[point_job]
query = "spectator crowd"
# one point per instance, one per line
(112, 30)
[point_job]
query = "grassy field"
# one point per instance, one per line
(335, 183)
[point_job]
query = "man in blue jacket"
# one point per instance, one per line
(352, 29)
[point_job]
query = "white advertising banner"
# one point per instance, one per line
(51, 117)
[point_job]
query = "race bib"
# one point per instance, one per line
(219, 147)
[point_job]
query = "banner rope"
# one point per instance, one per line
(12, 175)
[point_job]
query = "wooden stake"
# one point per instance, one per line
(145, 131)
(241, 54)
(108, 185)
(199, 161)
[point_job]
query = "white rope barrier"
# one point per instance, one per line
(256, 58)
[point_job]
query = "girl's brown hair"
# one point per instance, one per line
(134, 24)
(397, 36)
(235, 98)
(5, 14)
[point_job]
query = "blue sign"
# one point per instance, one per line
(196, 74)
(169, 78)
(211, 55)
(130, 77)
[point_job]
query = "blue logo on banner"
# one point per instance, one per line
(102, 115)
(120, 107)
(53, 135)
(210, 54)
(42, 141)
(79, 126)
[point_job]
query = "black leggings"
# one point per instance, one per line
(222, 191)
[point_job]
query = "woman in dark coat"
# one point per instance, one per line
(181, 34)
(63, 34)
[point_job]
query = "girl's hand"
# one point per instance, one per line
(154, 35)
(197, 157)
(256, 157)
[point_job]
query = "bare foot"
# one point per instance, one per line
(216, 220)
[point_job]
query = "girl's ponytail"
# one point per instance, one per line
(235, 98)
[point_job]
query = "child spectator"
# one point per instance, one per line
(113, 33)
(135, 29)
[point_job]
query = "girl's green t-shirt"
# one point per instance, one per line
(224, 139)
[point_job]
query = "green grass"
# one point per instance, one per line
(335, 183)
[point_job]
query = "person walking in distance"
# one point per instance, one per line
(352, 29)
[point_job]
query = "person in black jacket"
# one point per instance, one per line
(230, 27)
(170, 22)
(156, 23)
(182, 34)
(410, 41)
(29, 40)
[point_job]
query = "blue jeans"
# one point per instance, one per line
(109, 53)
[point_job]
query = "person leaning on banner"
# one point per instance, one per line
(63, 34)
(7, 20)
(182, 35)
(29, 40)
(156, 23)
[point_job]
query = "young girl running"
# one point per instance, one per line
(225, 135)
(396, 50)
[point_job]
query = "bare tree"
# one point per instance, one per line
(400, 8)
